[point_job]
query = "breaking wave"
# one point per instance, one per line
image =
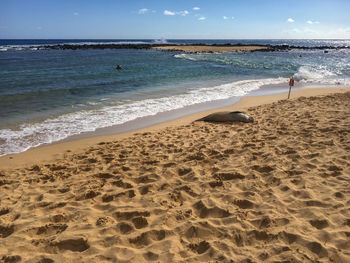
(320, 75)
(55, 129)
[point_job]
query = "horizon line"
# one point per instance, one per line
(174, 38)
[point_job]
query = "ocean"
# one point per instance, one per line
(49, 95)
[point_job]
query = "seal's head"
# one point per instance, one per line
(241, 116)
(250, 119)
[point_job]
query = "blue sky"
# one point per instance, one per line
(154, 19)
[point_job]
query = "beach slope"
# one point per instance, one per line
(275, 190)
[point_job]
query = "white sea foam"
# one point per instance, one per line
(19, 47)
(104, 43)
(38, 46)
(50, 130)
(160, 41)
(320, 75)
(186, 56)
(323, 73)
(308, 73)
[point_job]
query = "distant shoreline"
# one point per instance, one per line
(186, 47)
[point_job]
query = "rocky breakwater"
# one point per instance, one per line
(188, 48)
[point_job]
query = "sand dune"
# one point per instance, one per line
(276, 190)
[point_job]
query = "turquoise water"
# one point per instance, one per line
(48, 95)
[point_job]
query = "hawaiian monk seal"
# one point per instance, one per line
(228, 116)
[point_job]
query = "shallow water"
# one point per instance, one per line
(48, 95)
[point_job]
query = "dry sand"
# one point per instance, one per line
(276, 190)
(205, 48)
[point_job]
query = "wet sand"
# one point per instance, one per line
(273, 190)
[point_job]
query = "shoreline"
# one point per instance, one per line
(194, 47)
(275, 190)
(167, 116)
(57, 150)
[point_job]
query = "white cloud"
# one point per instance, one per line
(172, 13)
(341, 32)
(195, 8)
(312, 22)
(226, 17)
(76, 13)
(290, 20)
(183, 13)
(202, 18)
(306, 31)
(143, 11)
(169, 13)
(317, 32)
(303, 32)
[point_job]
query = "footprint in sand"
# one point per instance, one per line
(214, 212)
(73, 244)
(6, 231)
(150, 256)
(148, 237)
(200, 248)
(319, 224)
(125, 228)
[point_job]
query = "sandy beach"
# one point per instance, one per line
(275, 190)
(209, 48)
